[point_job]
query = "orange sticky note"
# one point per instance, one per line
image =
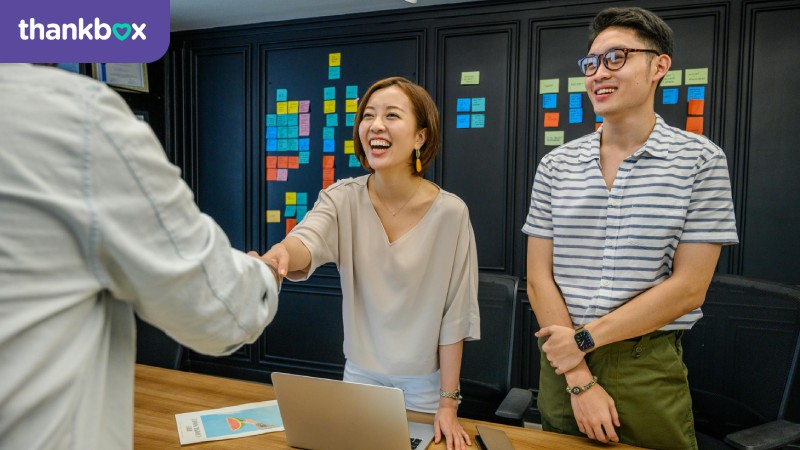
(272, 174)
(696, 107)
(290, 223)
(283, 162)
(326, 183)
(294, 162)
(597, 125)
(327, 162)
(327, 174)
(551, 120)
(694, 124)
(272, 162)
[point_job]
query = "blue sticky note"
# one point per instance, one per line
(281, 121)
(334, 72)
(305, 144)
(350, 119)
(575, 101)
(283, 132)
(291, 132)
(282, 95)
(549, 101)
(272, 132)
(477, 121)
(303, 157)
(331, 120)
(696, 93)
(598, 119)
(283, 145)
(462, 121)
(291, 210)
(353, 161)
(292, 145)
(329, 93)
(291, 120)
(328, 145)
(327, 132)
(301, 212)
(463, 105)
(272, 120)
(351, 92)
(302, 198)
(479, 104)
(272, 145)
(576, 115)
(670, 96)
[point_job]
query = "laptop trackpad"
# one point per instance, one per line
(422, 431)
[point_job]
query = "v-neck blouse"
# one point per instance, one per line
(401, 300)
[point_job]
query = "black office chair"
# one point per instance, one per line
(742, 359)
(486, 367)
(155, 348)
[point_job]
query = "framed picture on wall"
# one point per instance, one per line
(144, 116)
(129, 77)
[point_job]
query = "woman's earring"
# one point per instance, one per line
(419, 164)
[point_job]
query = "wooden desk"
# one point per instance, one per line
(159, 394)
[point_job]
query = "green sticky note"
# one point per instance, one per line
(549, 86)
(554, 138)
(576, 84)
(470, 77)
(697, 76)
(673, 78)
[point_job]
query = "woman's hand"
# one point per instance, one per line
(278, 256)
(446, 423)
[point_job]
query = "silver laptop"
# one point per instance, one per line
(324, 414)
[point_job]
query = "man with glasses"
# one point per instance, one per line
(625, 229)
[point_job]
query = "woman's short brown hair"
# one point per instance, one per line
(425, 112)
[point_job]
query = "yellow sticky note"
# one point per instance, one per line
(349, 148)
(334, 59)
(291, 198)
(554, 138)
(293, 107)
(281, 107)
(350, 105)
(576, 84)
(471, 77)
(329, 106)
(273, 216)
(697, 76)
(549, 86)
(673, 78)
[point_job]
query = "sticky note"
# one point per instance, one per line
(327, 174)
(349, 148)
(281, 95)
(477, 121)
(351, 105)
(273, 216)
(327, 133)
(576, 84)
(549, 101)
(304, 125)
(463, 104)
(329, 106)
(272, 174)
(575, 101)
(470, 77)
(696, 107)
(353, 161)
(272, 145)
(292, 132)
(696, 93)
(272, 120)
(283, 145)
(694, 124)
(302, 198)
(334, 59)
(283, 162)
(328, 145)
(281, 107)
(576, 115)
(349, 119)
(331, 120)
(301, 212)
(283, 174)
(551, 120)
(294, 162)
(462, 120)
(351, 92)
(283, 132)
(281, 120)
(303, 157)
(672, 78)
(597, 125)
(553, 138)
(479, 104)
(305, 144)
(292, 107)
(334, 73)
(272, 162)
(291, 120)
(272, 132)
(291, 222)
(328, 162)
(670, 96)
(598, 119)
(304, 106)
(329, 93)
(548, 86)
(290, 211)
(697, 76)
(292, 145)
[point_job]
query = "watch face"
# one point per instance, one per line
(584, 340)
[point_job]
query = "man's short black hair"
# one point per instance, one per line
(648, 27)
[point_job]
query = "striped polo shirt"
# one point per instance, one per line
(610, 246)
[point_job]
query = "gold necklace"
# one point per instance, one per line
(386, 205)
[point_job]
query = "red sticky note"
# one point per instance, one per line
(272, 162)
(272, 174)
(696, 107)
(290, 223)
(327, 174)
(551, 120)
(694, 124)
(283, 162)
(294, 162)
(327, 162)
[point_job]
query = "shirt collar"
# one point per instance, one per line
(649, 146)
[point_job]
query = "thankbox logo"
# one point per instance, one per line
(31, 30)
(87, 31)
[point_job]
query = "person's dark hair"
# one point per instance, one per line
(425, 112)
(648, 27)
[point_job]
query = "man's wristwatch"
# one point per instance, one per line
(455, 395)
(577, 390)
(584, 340)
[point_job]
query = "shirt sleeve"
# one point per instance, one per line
(319, 232)
(710, 217)
(539, 222)
(151, 246)
(461, 315)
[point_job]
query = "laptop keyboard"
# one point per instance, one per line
(415, 443)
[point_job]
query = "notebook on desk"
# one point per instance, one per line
(327, 414)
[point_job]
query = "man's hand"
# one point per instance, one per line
(272, 263)
(446, 424)
(560, 348)
(596, 414)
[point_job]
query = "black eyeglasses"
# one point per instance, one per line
(613, 59)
